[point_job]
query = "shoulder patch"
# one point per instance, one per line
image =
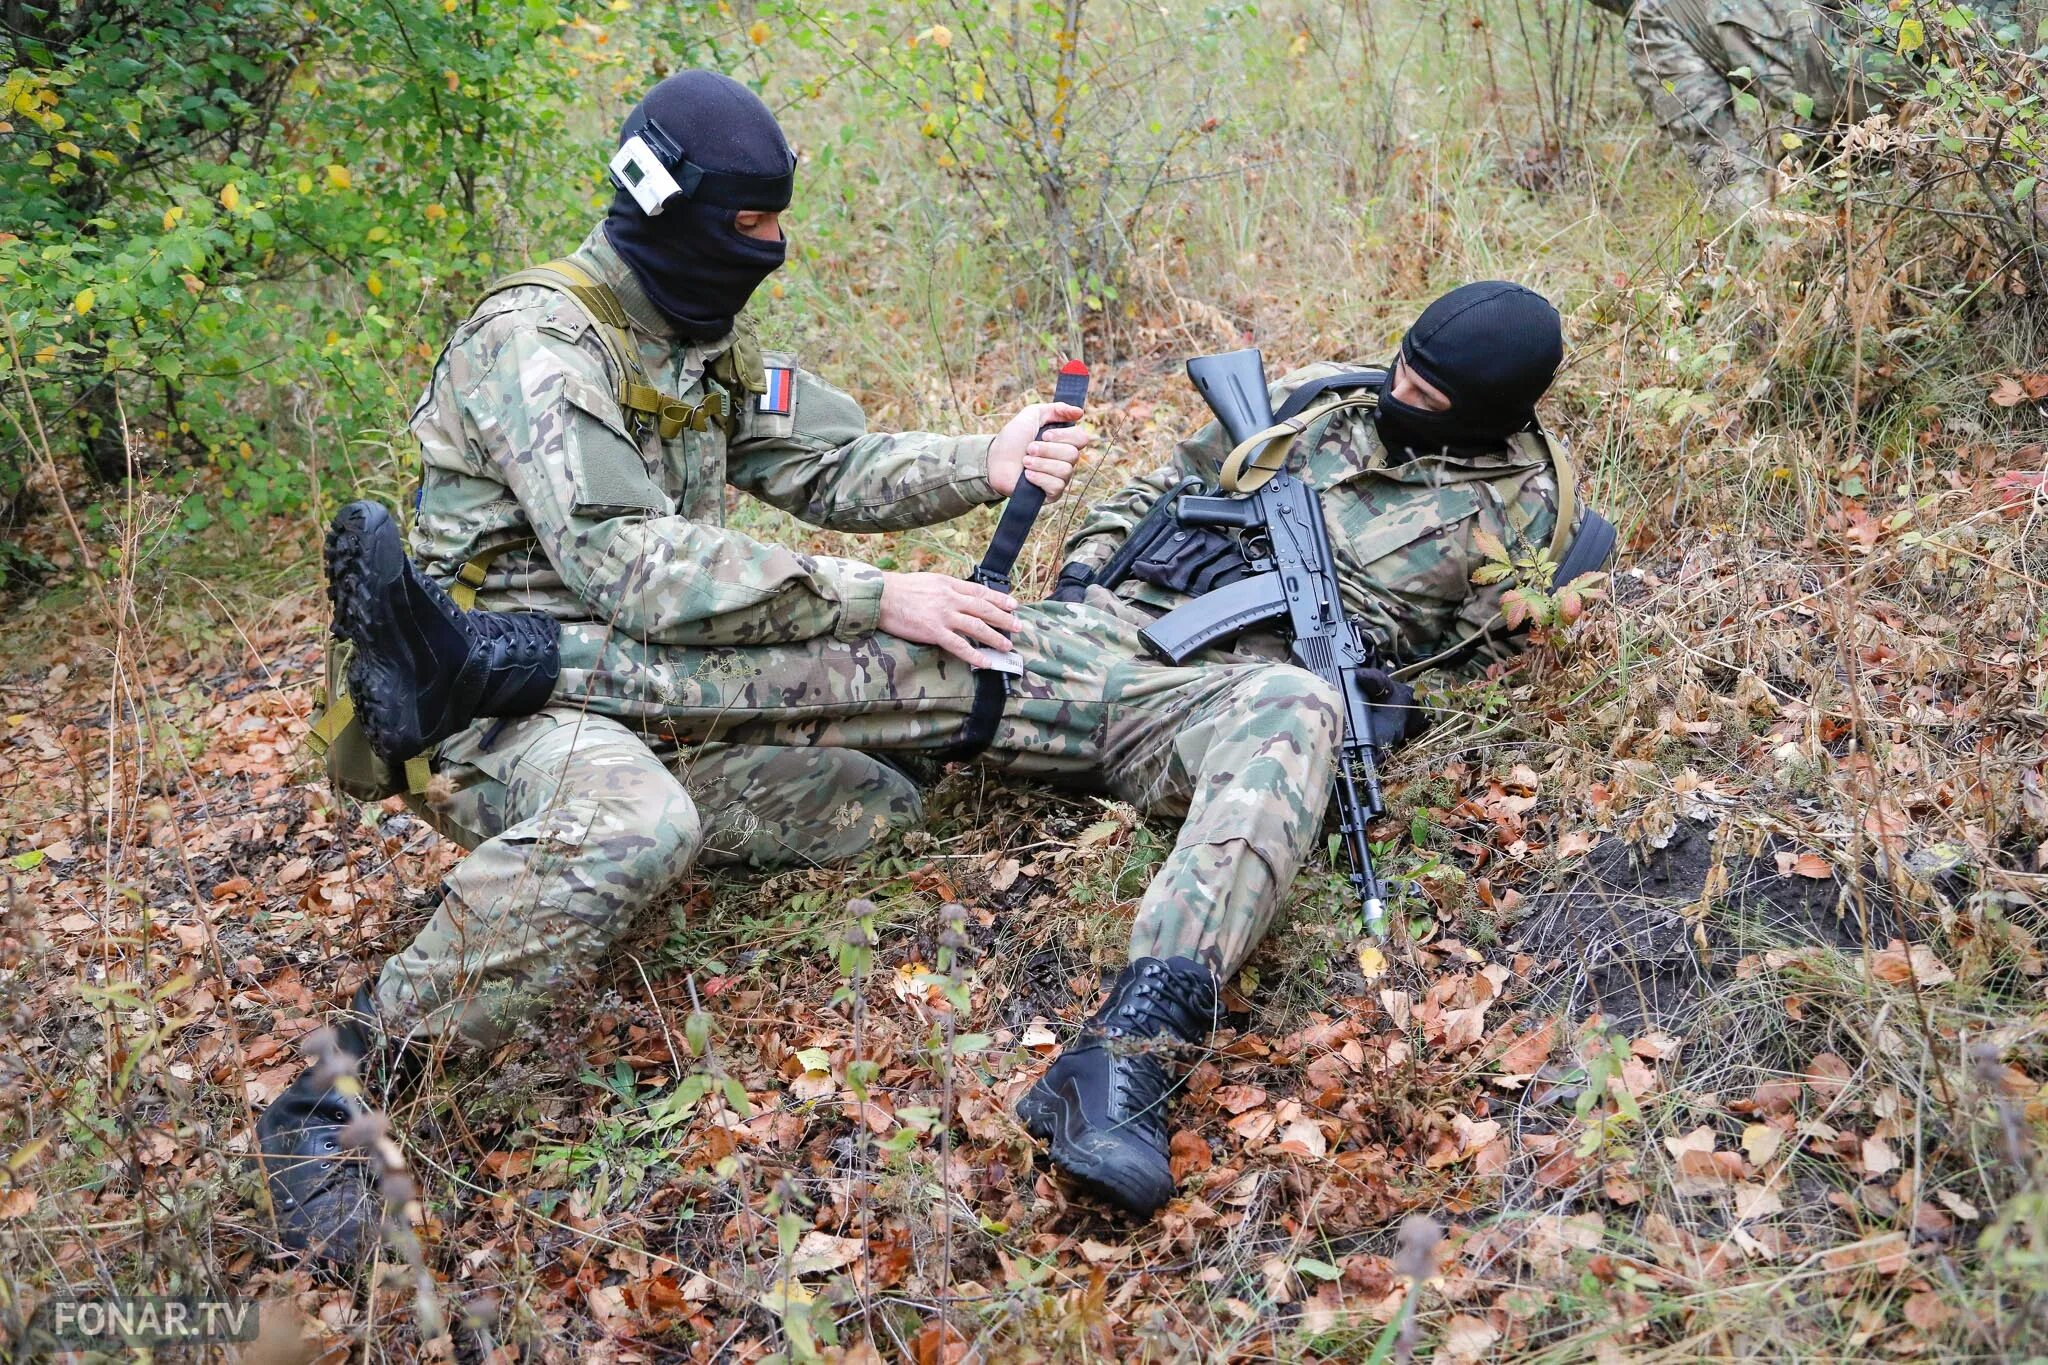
(778, 394)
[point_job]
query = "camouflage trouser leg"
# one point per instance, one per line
(1242, 750)
(1681, 54)
(773, 807)
(575, 826)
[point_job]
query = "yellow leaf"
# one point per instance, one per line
(377, 233)
(46, 355)
(435, 213)
(1912, 35)
(27, 1152)
(454, 80)
(758, 33)
(83, 303)
(305, 183)
(68, 147)
(333, 338)
(375, 285)
(448, 6)
(941, 36)
(172, 215)
(230, 196)
(1371, 961)
(338, 177)
(1790, 141)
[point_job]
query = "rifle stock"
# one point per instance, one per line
(1233, 384)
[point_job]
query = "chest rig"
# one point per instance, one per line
(738, 370)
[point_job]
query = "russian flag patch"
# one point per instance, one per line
(781, 392)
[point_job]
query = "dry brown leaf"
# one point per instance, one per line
(1878, 1157)
(1926, 1311)
(1188, 1153)
(1757, 1201)
(1467, 1339)
(1235, 1099)
(819, 1252)
(1896, 965)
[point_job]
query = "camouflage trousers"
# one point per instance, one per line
(654, 756)
(576, 824)
(1241, 750)
(1682, 54)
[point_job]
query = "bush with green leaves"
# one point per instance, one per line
(240, 227)
(1042, 117)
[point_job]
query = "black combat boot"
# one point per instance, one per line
(423, 667)
(324, 1193)
(1102, 1105)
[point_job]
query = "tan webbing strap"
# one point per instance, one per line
(329, 724)
(739, 367)
(635, 394)
(469, 579)
(1247, 468)
(1567, 496)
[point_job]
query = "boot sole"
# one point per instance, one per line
(1058, 1123)
(364, 559)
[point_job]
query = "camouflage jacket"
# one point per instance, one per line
(522, 436)
(1403, 535)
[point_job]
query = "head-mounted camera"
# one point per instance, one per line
(651, 167)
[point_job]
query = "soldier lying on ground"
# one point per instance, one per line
(1238, 746)
(578, 437)
(1817, 63)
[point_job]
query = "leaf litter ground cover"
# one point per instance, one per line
(1713, 1028)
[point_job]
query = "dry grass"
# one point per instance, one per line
(1792, 1138)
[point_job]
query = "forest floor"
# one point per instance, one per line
(1713, 1029)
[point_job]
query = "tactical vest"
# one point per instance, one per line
(352, 766)
(1264, 454)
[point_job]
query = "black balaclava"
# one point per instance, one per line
(1492, 348)
(694, 264)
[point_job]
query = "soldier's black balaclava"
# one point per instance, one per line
(694, 265)
(1492, 348)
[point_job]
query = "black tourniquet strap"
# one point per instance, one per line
(992, 685)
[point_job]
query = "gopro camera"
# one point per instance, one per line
(641, 169)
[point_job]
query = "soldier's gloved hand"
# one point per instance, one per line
(1049, 463)
(1395, 715)
(952, 613)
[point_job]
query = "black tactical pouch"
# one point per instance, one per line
(1193, 560)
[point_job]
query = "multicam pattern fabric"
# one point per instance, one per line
(1404, 535)
(521, 434)
(1241, 751)
(577, 825)
(1683, 55)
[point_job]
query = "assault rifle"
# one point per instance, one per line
(1291, 575)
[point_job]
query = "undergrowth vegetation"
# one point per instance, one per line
(1713, 1027)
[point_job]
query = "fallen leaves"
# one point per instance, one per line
(1897, 965)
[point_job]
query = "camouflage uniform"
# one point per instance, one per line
(1403, 535)
(1237, 743)
(1682, 54)
(575, 822)
(1241, 748)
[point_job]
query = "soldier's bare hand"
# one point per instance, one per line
(1050, 462)
(951, 613)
